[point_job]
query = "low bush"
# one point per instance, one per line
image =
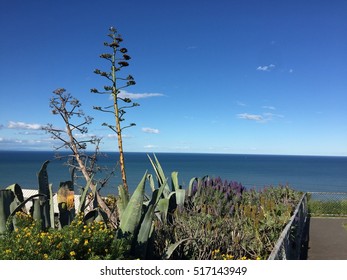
(225, 221)
(76, 241)
(219, 220)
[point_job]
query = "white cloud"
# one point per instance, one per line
(150, 130)
(269, 107)
(26, 132)
(14, 143)
(134, 96)
(84, 136)
(23, 125)
(150, 146)
(251, 117)
(239, 103)
(266, 67)
(265, 117)
(114, 136)
(271, 115)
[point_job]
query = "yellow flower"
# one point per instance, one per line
(45, 256)
(72, 253)
(86, 242)
(76, 241)
(8, 251)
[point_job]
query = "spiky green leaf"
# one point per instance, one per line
(132, 213)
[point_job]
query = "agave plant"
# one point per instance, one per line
(171, 198)
(12, 201)
(138, 212)
(137, 216)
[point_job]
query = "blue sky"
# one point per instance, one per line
(221, 76)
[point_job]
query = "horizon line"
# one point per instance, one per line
(185, 152)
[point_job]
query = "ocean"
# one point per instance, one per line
(304, 173)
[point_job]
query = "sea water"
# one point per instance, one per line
(305, 173)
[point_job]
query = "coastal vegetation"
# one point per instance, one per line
(210, 218)
(327, 207)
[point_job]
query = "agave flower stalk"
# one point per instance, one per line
(118, 58)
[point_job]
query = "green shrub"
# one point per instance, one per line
(219, 220)
(76, 241)
(241, 225)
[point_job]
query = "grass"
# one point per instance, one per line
(327, 208)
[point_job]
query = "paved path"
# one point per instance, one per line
(327, 239)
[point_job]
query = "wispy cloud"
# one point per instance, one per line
(251, 117)
(270, 116)
(23, 125)
(265, 117)
(269, 107)
(11, 143)
(239, 103)
(266, 68)
(134, 96)
(30, 132)
(114, 135)
(150, 146)
(84, 136)
(150, 130)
